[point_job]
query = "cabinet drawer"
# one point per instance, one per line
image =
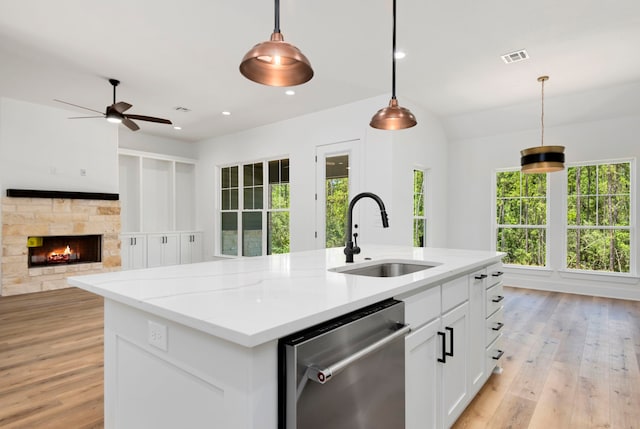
(494, 353)
(454, 293)
(495, 299)
(494, 326)
(494, 274)
(422, 307)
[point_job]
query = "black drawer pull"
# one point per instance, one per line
(481, 277)
(443, 359)
(498, 326)
(499, 355)
(497, 298)
(450, 352)
(497, 274)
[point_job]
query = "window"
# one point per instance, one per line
(243, 214)
(419, 211)
(278, 214)
(337, 199)
(599, 217)
(521, 217)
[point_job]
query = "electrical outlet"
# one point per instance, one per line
(157, 335)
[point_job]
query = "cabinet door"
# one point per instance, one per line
(422, 387)
(171, 250)
(155, 244)
(133, 251)
(190, 247)
(477, 342)
(455, 324)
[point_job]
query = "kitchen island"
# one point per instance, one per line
(196, 345)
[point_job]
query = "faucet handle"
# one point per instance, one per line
(356, 249)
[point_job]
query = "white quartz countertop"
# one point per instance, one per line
(250, 301)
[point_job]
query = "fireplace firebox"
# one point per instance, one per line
(67, 249)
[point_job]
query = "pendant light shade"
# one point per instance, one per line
(542, 159)
(393, 117)
(276, 62)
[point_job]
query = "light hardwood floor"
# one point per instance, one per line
(570, 361)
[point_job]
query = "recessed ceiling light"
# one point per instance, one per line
(290, 92)
(400, 55)
(226, 113)
(176, 127)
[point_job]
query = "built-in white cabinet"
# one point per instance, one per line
(190, 247)
(453, 347)
(157, 192)
(423, 379)
(133, 251)
(163, 249)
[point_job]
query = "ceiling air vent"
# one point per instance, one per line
(514, 57)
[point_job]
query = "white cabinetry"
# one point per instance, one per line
(133, 251)
(422, 376)
(452, 347)
(163, 249)
(190, 247)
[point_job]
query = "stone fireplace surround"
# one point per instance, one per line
(44, 213)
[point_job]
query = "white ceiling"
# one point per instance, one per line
(186, 53)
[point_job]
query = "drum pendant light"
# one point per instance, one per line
(542, 159)
(393, 117)
(276, 62)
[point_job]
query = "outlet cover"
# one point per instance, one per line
(157, 335)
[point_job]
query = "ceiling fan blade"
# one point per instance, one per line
(130, 124)
(75, 105)
(121, 106)
(86, 117)
(149, 119)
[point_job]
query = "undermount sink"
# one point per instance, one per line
(385, 268)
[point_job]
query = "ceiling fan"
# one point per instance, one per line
(115, 112)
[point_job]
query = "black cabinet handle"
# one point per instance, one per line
(481, 277)
(498, 326)
(443, 359)
(135, 241)
(497, 274)
(499, 355)
(450, 352)
(497, 298)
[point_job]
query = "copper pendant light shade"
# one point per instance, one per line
(542, 159)
(276, 62)
(393, 117)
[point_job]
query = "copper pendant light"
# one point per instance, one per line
(393, 117)
(542, 159)
(276, 62)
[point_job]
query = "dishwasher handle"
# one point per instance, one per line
(322, 375)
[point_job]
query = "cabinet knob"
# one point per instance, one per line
(497, 298)
(498, 326)
(499, 355)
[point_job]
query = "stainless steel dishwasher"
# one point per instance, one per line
(347, 373)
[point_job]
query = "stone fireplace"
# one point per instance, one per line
(49, 236)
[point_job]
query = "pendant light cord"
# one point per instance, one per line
(277, 17)
(393, 55)
(542, 116)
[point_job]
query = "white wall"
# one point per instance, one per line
(472, 164)
(382, 164)
(137, 140)
(41, 149)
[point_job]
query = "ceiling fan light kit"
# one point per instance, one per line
(115, 112)
(393, 117)
(542, 159)
(276, 62)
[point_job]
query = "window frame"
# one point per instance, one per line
(425, 205)
(496, 226)
(264, 211)
(632, 228)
